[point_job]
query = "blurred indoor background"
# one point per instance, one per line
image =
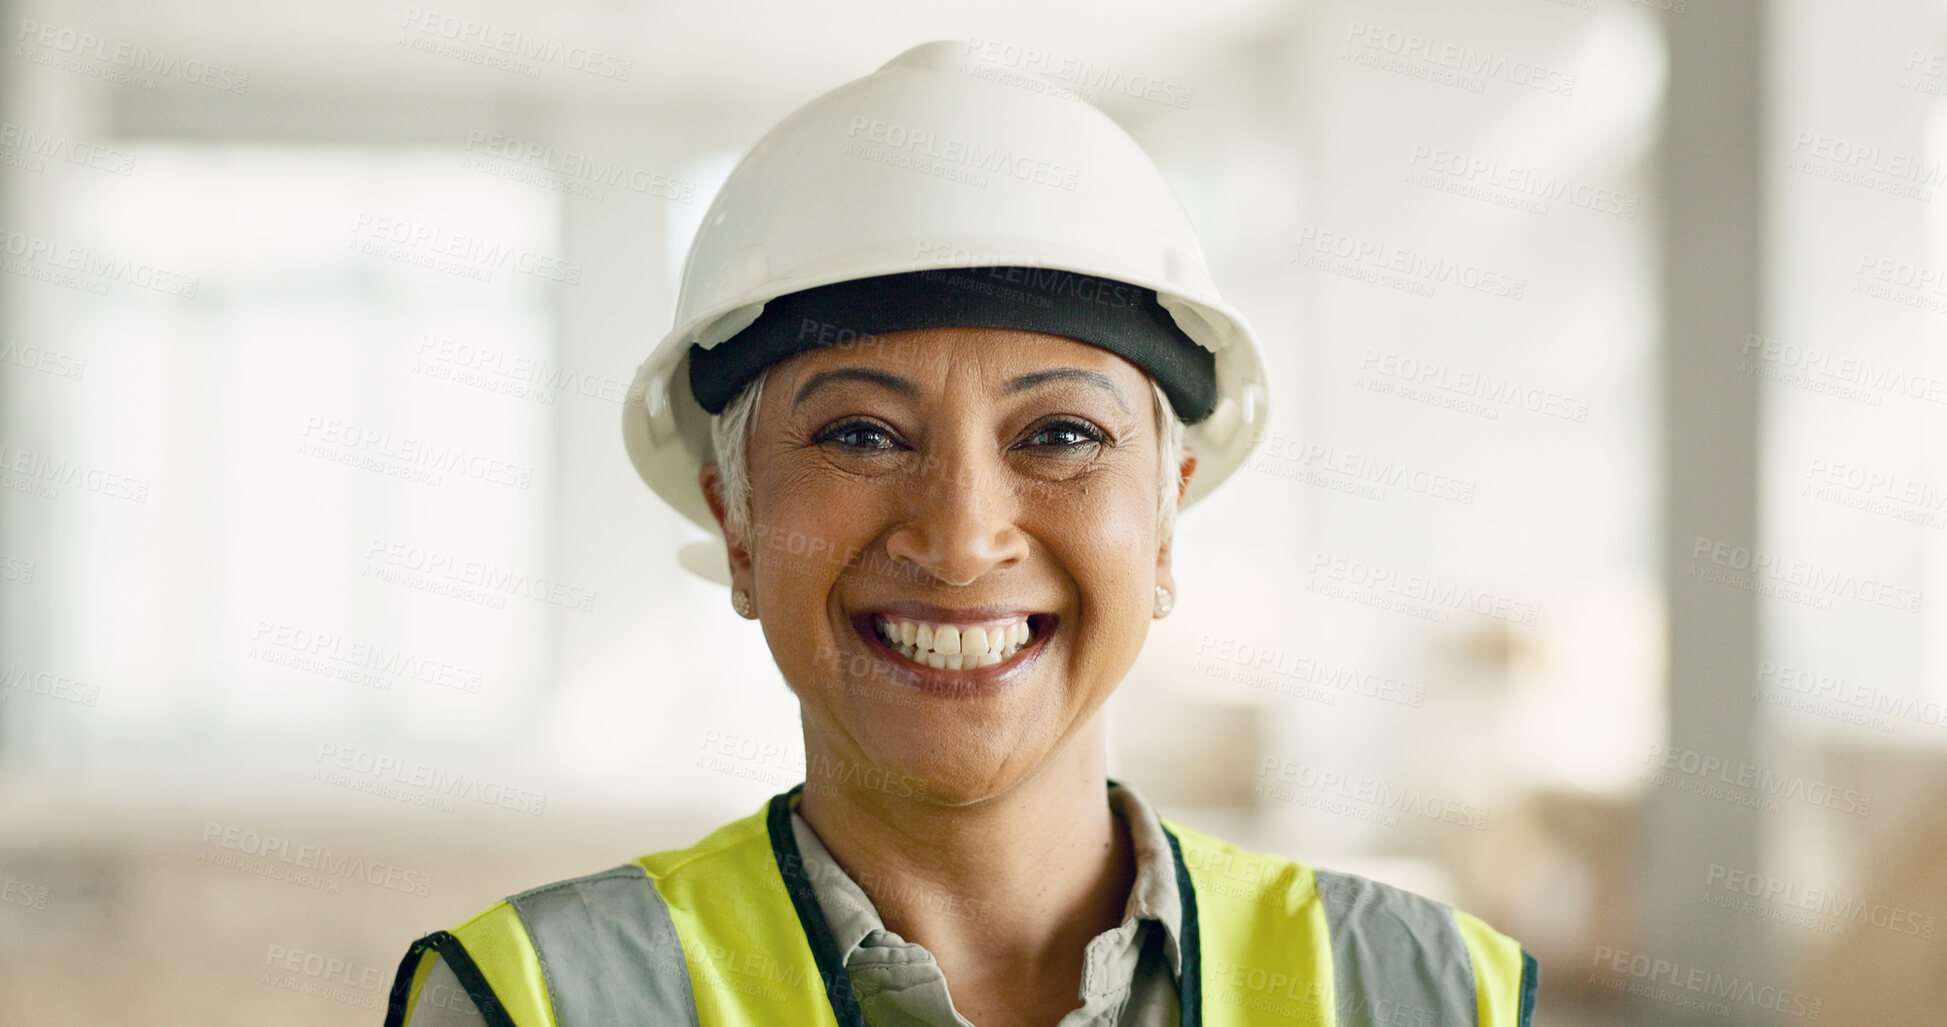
(1588, 577)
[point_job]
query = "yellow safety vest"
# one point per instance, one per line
(728, 933)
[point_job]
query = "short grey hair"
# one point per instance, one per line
(730, 434)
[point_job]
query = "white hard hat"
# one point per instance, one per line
(941, 159)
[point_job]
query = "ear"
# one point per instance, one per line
(1164, 577)
(739, 549)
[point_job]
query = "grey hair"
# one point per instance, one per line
(730, 434)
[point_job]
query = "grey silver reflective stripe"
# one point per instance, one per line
(1396, 957)
(608, 950)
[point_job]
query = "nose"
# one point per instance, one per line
(961, 520)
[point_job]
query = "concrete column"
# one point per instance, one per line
(1712, 250)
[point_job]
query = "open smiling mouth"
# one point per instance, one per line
(932, 650)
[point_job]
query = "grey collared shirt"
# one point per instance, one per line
(1130, 975)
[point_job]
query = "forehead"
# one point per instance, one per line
(988, 353)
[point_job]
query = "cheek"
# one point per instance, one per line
(805, 530)
(1106, 541)
(1113, 520)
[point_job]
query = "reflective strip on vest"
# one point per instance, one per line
(1282, 943)
(728, 932)
(608, 950)
(1396, 957)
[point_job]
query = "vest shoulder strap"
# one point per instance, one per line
(590, 950)
(494, 962)
(1374, 954)
(607, 950)
(707, 934)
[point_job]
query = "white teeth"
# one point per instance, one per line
(952, 647)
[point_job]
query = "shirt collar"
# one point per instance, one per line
(854, 921)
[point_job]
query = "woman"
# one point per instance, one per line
(946, 364)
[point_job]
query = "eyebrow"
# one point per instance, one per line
(1096, 378)
(906, 388)
(863, 374)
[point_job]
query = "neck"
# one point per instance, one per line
(1022, 878)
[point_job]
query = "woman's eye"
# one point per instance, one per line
(858, 435)
(1067, 435)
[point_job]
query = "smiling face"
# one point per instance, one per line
(931, 486)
